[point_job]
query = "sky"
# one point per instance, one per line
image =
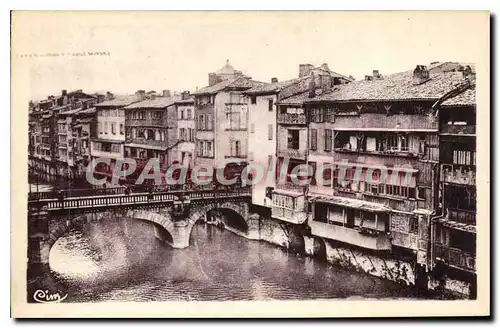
(176, 51)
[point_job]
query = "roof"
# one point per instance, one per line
(71, 111)
(466, 98)
(398, 86)
(158, 102)
(240, 82)
(90, 110)
(119, 101)
(457, 225)
(271, 87)
(298, 99)
(185, 101)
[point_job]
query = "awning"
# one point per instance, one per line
(375, 166)
(457, 225)
(352, 203)
(145, 146)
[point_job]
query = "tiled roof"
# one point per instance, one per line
(271, 87)
(185, 101)
(118, 101)
(158, 102)
(398, 86)
(298, 99)
(90, 110)
(238, 82)
(466, 98)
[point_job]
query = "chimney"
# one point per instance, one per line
(312, 87)
(325, 67)
(64, 92)
(368, 77)
(109, 96)
(376, 74)
(185, 95)
(152, 96)
(166, 93)
(420, 74)
(305, 69)
(274, 80)
(141, 95)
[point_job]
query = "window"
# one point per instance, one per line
(237, 148)
(115, 148)
(270, 132)
(270, 105)
(209, 149)
(314, 139)
(189, 114)
(121, 129)
(404, 143)
(328, 140)
(413, 225)
(113, 128)
(329, 115)
(464, 157)
(252, 127)
(142, 115)
(99, 127)
(293, 139)
(253, 99)
(182, 134)
(181, 114)
(201, 122)
(156, 115)
(191, 134)
(106, 127)
(392, 142)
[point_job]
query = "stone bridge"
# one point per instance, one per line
(173, 213)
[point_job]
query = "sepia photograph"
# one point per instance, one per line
(225, 164)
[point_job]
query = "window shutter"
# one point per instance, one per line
(314, 139)
(270, 132)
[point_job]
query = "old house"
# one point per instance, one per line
(110, 135)
(222, 118)
(186, 128)
(381, 135)
(455, 230)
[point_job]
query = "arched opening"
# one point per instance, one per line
(319, 249)
(232, 220)
(296, 243)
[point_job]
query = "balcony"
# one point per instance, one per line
(290, 186)
(377, 241)
(288, 215)
(455, 257)
(459, 129)
(291, 118)
(458, 175)
(462, 216)
(292, 153)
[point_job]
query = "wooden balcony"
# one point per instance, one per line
(377, 241)
(288, 215)
(458, 175)
(290, 186)
(455, 257)
(291, 118)
(462, 216)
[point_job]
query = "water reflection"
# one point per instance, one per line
(122, 260)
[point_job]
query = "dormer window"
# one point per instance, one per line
(420, 74)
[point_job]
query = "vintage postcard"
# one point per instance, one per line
(250, 164)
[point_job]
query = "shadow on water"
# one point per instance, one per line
(123, 260)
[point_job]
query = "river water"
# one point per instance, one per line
(122, 260)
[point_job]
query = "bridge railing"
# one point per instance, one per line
(136, 198)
